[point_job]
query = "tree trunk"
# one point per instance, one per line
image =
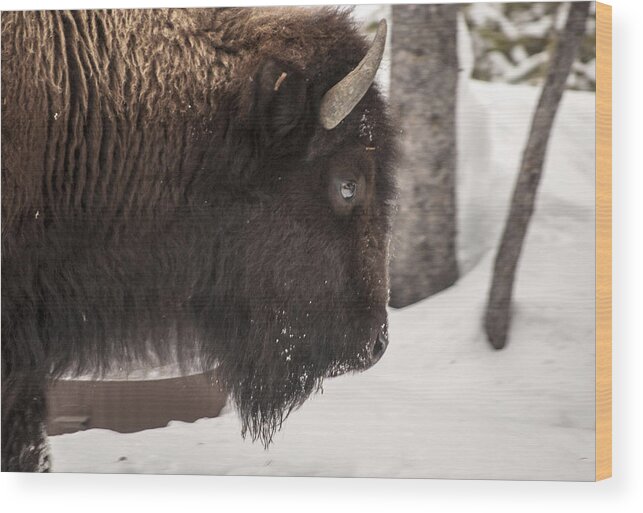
(424, 73)
(498, 313)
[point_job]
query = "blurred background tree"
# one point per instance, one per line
(424, 76)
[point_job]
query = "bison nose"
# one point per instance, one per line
(379, 346)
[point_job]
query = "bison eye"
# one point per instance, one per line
(348, 190)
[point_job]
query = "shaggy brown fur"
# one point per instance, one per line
(169, 195)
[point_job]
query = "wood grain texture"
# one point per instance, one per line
(603, 241)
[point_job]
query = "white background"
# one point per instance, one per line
(624, 492)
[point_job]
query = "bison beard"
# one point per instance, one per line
(290, 368)
(283, 358)
(171, 193)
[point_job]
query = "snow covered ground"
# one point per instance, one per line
(442, 403)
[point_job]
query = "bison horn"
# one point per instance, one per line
(340, 100)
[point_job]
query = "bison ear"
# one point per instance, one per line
(281, 102)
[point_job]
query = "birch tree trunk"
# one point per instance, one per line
(498, 314)
(424, 74)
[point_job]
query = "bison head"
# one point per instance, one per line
(304, 228)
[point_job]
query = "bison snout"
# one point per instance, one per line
(378, 346)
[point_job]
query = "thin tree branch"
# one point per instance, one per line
(498, 314)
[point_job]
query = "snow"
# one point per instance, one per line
(441, 403)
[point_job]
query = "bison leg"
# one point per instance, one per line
(24, 439)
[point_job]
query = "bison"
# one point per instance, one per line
(212, 186)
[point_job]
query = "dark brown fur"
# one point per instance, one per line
(165, 199)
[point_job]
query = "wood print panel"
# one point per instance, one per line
(383, 231)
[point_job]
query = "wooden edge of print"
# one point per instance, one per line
(603, 241)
